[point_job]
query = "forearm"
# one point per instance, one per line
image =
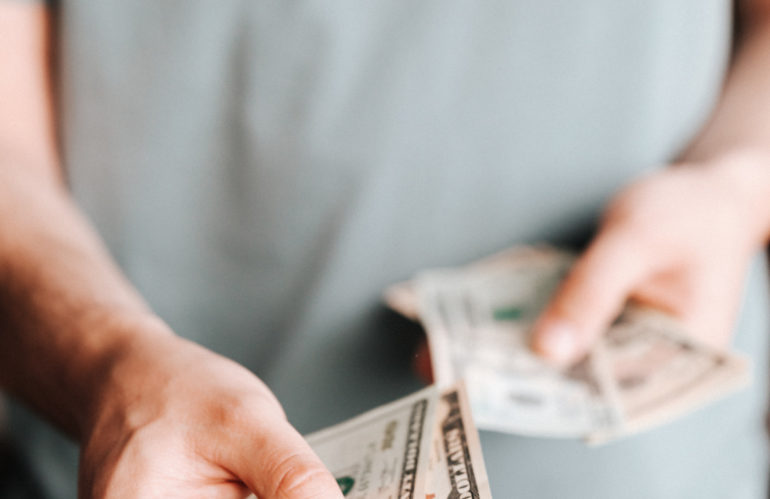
(156, 416)
(66, 313)
(737, 138)
(67, 316)
(741, 121)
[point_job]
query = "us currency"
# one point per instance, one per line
(456, 466)
(658, 372)
(384, 452)
(643, 372)
(424, 446)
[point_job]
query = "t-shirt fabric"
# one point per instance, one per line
(263, 170)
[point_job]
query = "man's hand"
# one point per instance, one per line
(682, 238)
(679, 240)
(157, 416)
(176, 420)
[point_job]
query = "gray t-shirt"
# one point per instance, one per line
(263, 169)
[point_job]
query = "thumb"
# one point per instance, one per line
(589, 298)
(277, 463)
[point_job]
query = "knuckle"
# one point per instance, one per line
(235, 412)
(230, 411)
(298, 476)
(239, 407)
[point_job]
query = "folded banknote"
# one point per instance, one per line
(644, 371)
(423, 446)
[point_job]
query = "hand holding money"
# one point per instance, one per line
(424, 446)
(643, 371)
(178, 420)
(678, 240)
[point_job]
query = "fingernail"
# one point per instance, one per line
(557, 341)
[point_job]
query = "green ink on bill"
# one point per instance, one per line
(512, 313)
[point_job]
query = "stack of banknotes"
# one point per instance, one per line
(424, 446)
(643, 372)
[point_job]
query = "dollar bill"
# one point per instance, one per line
(456, 466)
(658, 372)
(382, 454)
(643, 372)
(423, 446)
(478, 320)
(402, 297)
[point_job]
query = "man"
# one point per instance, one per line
(261, 171)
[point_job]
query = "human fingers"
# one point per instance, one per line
(590, 297)
(275, 462)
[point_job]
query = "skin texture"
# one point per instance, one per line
(158, 416)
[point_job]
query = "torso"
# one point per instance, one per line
(262, 170)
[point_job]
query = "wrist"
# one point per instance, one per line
(743, 178)
(115, 372)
